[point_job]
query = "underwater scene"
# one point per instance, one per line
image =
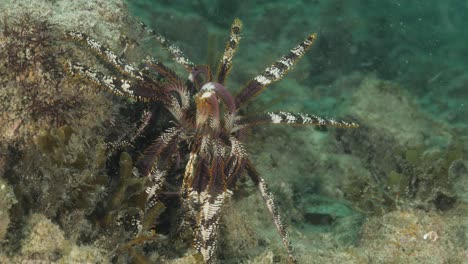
(306, 131)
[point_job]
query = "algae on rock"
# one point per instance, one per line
(7, 200)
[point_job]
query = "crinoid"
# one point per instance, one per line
(206, 130)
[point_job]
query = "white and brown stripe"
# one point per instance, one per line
(231, 47)
(120, 87)
(270, 202)
(177, 55)
(118, 63)
(275, 72)
(306, 119)
(121, 143)
(157, 178)
(208, 223)
(292, 119)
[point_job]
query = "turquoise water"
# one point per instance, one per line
(415, 103)
(420, 45)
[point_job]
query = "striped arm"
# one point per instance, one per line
(177, 55)
(269, 200)
(120, 87)
(209, 217)
(231, 46)
(291, 119)
(120, 144)
(207, 195)
(119, 64)
(157, 179)
(275, 72)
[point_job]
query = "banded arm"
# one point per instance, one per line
(119, 64)
(205, 196)
(120, 144)
(295, 119)
(274, 73)
(120, 87)
(231, 47)
(269, 200)
(177, 55)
